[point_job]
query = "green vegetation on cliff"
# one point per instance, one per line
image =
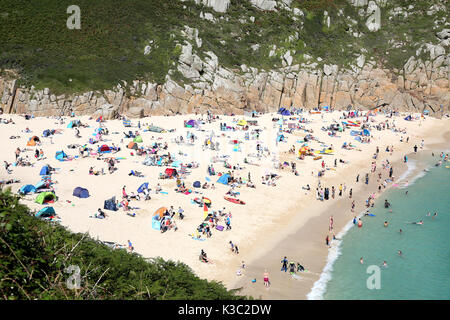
(34, 255)
(109, 47)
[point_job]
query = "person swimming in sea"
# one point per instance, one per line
(399, 252)
(361, 260)
(384, 264)
(420, 222)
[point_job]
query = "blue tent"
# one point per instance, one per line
(27, 189)
(45, 212)
(355, 133)
(284, 112)
(280, 138)
(60, 155)
(224, 178)
(408, 118)
(142, 187)
(197, 184)
(46, 133)
(44, 171)
(110, 204)
(366, 132)
(73, 123)
(80, 192)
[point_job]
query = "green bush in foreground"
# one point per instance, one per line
(34, 255)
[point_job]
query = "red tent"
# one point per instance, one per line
(170, 172)
(104, 148)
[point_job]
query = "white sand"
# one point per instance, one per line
(270, 212)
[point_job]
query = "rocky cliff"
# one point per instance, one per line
(210, 85)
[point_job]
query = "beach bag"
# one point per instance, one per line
(220, 228)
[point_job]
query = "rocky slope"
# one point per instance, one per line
(422, 82)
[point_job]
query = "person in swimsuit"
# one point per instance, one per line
(266, 279)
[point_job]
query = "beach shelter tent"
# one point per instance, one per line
(170, 172)
(142, 187)
(110, 204)
(80, 192)
(190, 124)
(126, 123)
(284, 112)
(45, 212)
(46, 133)
(408, 118)
(366, 132)
(44, 171)
(33, 140)
(160, 212)
(242, 122)
(45, 197)
(224, 179)
(60, 155)
(137, 139)
(104, 149)
(197, 184)
(27, 189)
(132, 145)
(280, 138)
(73, 124)
(326, 108)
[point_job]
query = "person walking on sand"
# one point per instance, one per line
(327, 240)
(266, 279)
(331, 223)
(284, 264)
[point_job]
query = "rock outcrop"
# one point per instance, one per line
(420, 85)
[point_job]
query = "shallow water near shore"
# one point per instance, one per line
(421, 272)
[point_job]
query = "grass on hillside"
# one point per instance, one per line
(109, 48)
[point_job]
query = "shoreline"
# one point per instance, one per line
(315, 249)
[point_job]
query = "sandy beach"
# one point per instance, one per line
(276, 221)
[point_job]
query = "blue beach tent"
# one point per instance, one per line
(27, 189)
(224, 179)
(44, 171)
(45, 212)
(80, 192)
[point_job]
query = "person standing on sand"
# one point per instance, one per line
(350, 193)
(357, 178)
(327, 240)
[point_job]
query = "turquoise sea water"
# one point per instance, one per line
(423, 270)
